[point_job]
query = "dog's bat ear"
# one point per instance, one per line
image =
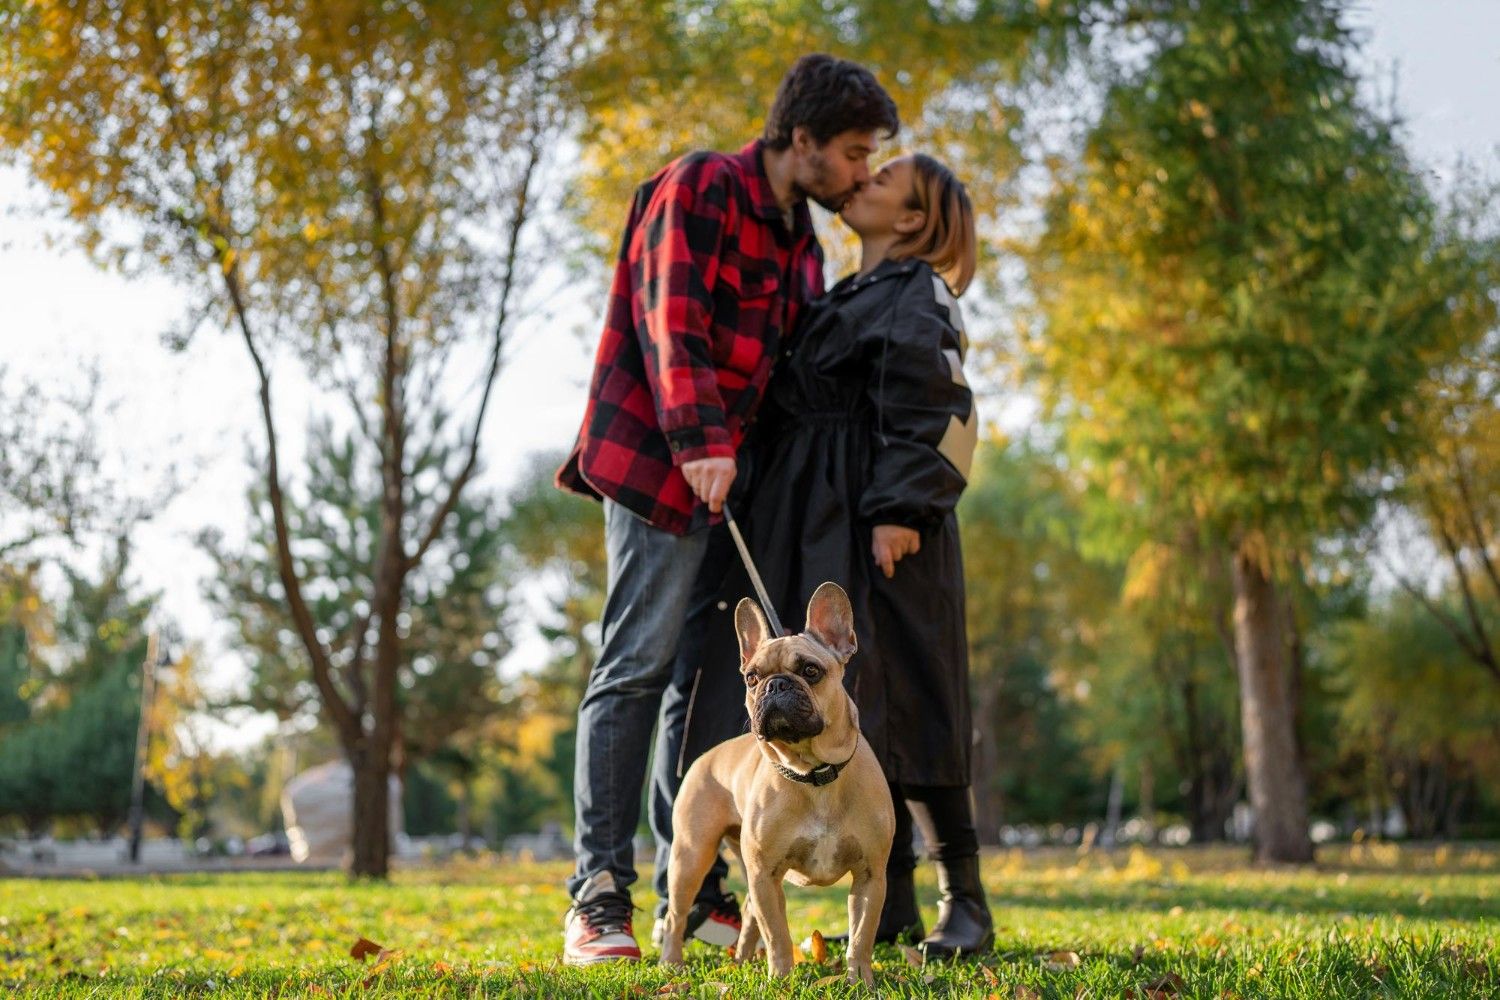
(752, 627)
(831, 619)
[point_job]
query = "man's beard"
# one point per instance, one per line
(820, 174)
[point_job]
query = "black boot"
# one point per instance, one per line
(900, 919)
(964, 925)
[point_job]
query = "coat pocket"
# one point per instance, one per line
(747, 320)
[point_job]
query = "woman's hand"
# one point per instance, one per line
(891, 543)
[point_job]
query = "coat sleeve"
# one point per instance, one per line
(926, 427)
(677, 254)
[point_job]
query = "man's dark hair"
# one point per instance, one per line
(826, 96)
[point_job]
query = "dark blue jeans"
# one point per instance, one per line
(651, 579)
(669, 764)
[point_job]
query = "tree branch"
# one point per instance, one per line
(1485, 653)
(349, 725)
(1476, 524)
(507, 286)
(1451, 625)
(223, 256)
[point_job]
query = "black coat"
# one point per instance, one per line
(868, 421)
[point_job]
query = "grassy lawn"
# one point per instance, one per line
(1372, 921)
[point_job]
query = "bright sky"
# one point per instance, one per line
(198, 408)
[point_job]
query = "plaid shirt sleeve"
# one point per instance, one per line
(676, 262)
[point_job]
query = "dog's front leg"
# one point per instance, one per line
(768, 899)
(866, 897)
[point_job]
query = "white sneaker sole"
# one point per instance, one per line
(584, 960)
(714, 933)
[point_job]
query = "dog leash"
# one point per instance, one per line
(760, 588)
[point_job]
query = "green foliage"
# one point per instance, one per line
(72, 757)
(1031, 601)
(15, 676)
(102, 626)
(953, 69)
(1243, 260)
(454, 618)
(426, 806)
(74, 761)
(1417, 717)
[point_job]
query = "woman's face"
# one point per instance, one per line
(883, 206)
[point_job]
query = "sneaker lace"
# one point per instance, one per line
(608, 911)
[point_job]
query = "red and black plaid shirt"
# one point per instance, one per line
(708, 279)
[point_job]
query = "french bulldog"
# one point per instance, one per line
(800, 798)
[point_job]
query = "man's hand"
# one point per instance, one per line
(891, 543)
(710, 479)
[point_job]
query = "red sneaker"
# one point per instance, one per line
(597, 927)
(716, 923)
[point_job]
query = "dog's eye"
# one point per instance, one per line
(750, 680)
(810, 670)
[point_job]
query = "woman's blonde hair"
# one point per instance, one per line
(946, 239)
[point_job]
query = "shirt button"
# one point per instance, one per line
(723, 605)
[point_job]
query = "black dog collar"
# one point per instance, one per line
(823, 774)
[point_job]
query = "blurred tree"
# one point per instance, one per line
(52, 483)
(352, 186)
(701, 75)
(102, 627)
(1240, 286)
(1160, 700)
(182, 762)
(452, 624)
(557, 542)
(1426, 725)
(1451, 480)
(73, 756)
(1033, 603)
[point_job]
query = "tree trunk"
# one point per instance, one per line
(1147, 798)
(372, 810)
(1278, 792)
(1113, 806)
(989, 806)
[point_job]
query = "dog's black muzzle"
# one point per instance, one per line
(786, 712)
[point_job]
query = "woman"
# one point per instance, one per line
(860, 455)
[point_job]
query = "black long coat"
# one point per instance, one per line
(868, 421)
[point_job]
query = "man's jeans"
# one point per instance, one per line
(651, 579)
(666, 779)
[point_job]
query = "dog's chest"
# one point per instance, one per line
(821, 851)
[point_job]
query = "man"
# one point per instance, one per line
(717, 262)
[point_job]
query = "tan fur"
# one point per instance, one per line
(788, 831)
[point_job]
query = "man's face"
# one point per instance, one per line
(830, 174)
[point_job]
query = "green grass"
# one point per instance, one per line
(1373, 921)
